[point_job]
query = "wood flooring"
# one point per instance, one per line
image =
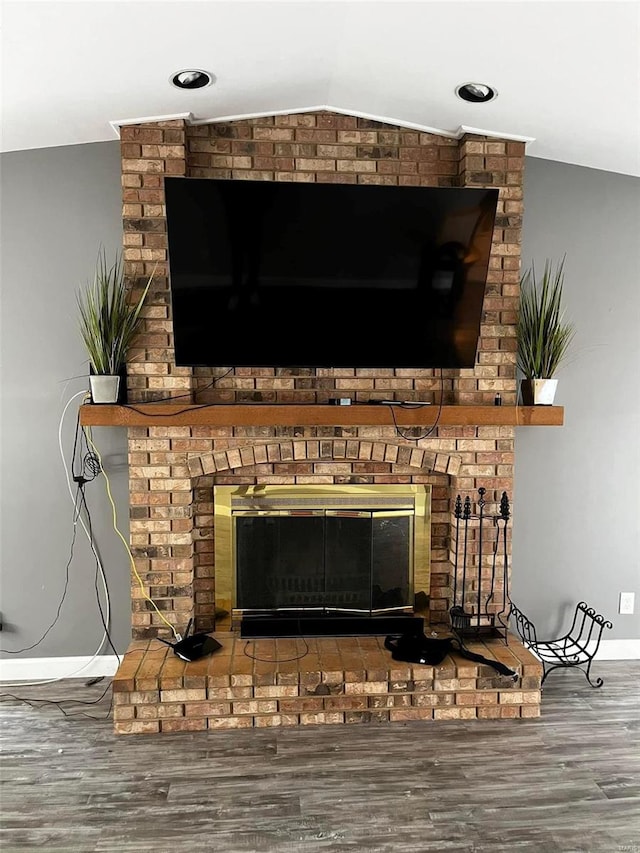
(567, 782)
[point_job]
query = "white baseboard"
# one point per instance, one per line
(619, 650)
(614, 650)
(51, 669)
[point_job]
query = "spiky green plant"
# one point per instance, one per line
(109, 320)
(543, 335)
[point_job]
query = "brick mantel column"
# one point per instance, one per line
(149, 153)
(497, 163)
(161, 516)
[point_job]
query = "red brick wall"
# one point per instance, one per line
(171, 510)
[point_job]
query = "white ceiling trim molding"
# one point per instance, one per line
(330, 109)
(478, 131)
(410, 125)
(116, 124)
(265, 114)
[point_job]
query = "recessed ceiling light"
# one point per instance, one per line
(476, 93)
(191, 78)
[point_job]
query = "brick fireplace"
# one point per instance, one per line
(176, 462)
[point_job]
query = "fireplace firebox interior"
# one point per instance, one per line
(294, 554)
(330, 560)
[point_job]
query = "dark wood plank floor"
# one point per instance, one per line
(565, 783)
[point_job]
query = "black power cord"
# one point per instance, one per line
(190, 408)
(410, 405)
(89, 462)
(277, 660)
(99, 603)
(76, 516)
(60, 703)
(90, 468)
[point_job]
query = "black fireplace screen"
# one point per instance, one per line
(358, 561)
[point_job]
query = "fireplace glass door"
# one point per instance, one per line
(357, 561)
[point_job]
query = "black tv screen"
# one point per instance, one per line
(288, 274)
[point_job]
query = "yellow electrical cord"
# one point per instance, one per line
(124, 541)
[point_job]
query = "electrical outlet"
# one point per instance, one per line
(627, 602)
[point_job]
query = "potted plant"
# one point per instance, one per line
(109, 320)
(543, 335)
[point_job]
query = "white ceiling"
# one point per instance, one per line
(567, 73)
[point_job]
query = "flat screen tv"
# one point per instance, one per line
(287, 274)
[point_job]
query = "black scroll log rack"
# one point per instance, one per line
(577, 648)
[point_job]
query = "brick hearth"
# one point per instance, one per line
(317, 680)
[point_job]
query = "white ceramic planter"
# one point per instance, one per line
(104, 389)
(538, 392)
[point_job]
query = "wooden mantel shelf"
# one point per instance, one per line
(265, 414)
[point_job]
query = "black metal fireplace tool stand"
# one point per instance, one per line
(479, 609)
(577, 648)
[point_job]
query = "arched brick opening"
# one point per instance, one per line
(317, 450)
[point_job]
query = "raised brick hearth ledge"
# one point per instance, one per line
(316, 680)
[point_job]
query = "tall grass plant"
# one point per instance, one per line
(109, 320)
(543, 335)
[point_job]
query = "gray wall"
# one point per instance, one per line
(577, 512)
(576, 504)
(58, 206)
